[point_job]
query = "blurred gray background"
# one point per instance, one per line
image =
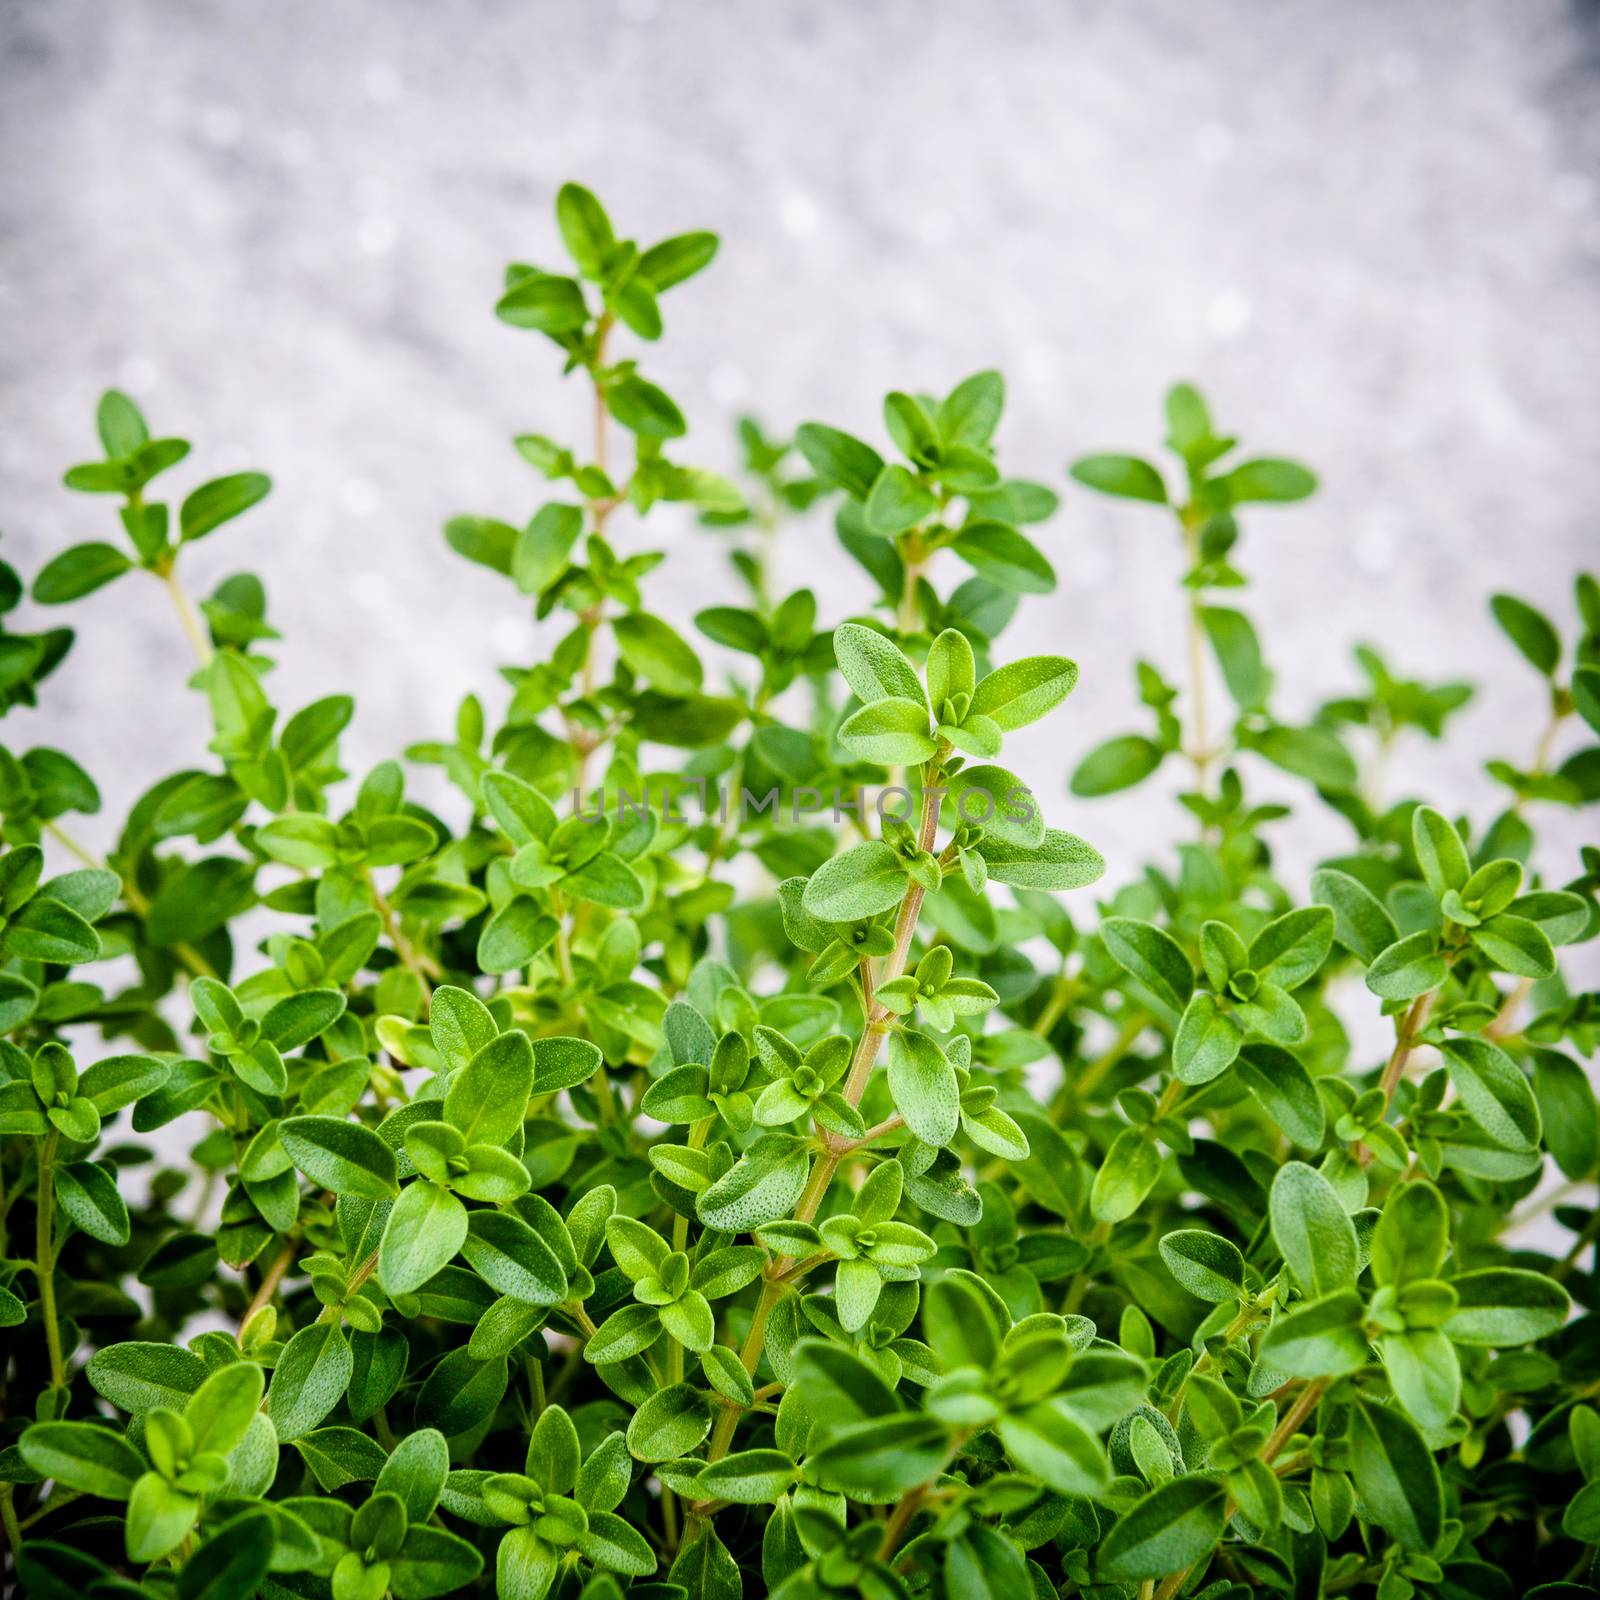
(1371, 232)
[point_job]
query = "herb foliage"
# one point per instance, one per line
(689, 1197)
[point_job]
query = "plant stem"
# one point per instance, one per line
(1288, 1425)
(1200, 751)
(8, 1515)
(1073, 1091)
(45, 1256)
(1061, 992)
(188, 616)
(269, 1283)
(1505, 1018)
(420, 965)
(909, 1504)
(1405, 1041)
(827, 1161)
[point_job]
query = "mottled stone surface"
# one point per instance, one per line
(1371, 231)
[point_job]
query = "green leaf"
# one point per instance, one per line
(1396, 1476)
(1008, 559)
(1127, 477)
(654, 650)
(1312, 753)
(749, 1477)
(1151, 956)
(1171, 1528)
(1238, 653)
(308, 842)
(309, 1380)
(78, 571)
(432, 1563)
(889, 731)
(1517, 946)
(425, 1230)
(1046, 1441)
(1412, 1237)
(705, 1570)
(1318, 1338)
(46, 930)
(1207, 1042)
(1000, 803)
(87, 1193)
(1361, 922)
(83, 1456)
(513, 1259)
(544, 304)
(1494, 1092)
(1126, 1176)
(922, 1084)
(233, 1561)
(1439, 850)
(342, 1156)
(874, 666)
(1567, 1109)
(1424, 1373)
(459, 1022)
(1529, 630)
(137, 1376)
(585, 228)
(1266, 479)
(669, 1424)
(219, 1412)
(544, 548)
(961, 1326)
(337, 1456)
(865, 881)
(1207, 1265)
(1290, 949)
(490, 543)
(159, 1518)
(879, 1461)
(1407, 968)
(1501, 1306)
(669, 263)
(1286, 1090)
(1059, 861)
(761, 1186)
(219, 501)
(1585, 692)
(488, 1098)
(1021, 692)
(1117, 764)
(120, 424)
(839, 459)
(1312, 1230)
(514, 935)
(898, 502)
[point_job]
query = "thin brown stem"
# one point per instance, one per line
(269, 1282)
(1288, 1425)
(1506, 1018)
(905, 1510)
(1405, 1041)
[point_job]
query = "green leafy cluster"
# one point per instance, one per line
(668, 1135)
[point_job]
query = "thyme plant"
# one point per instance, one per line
(725, 1140)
